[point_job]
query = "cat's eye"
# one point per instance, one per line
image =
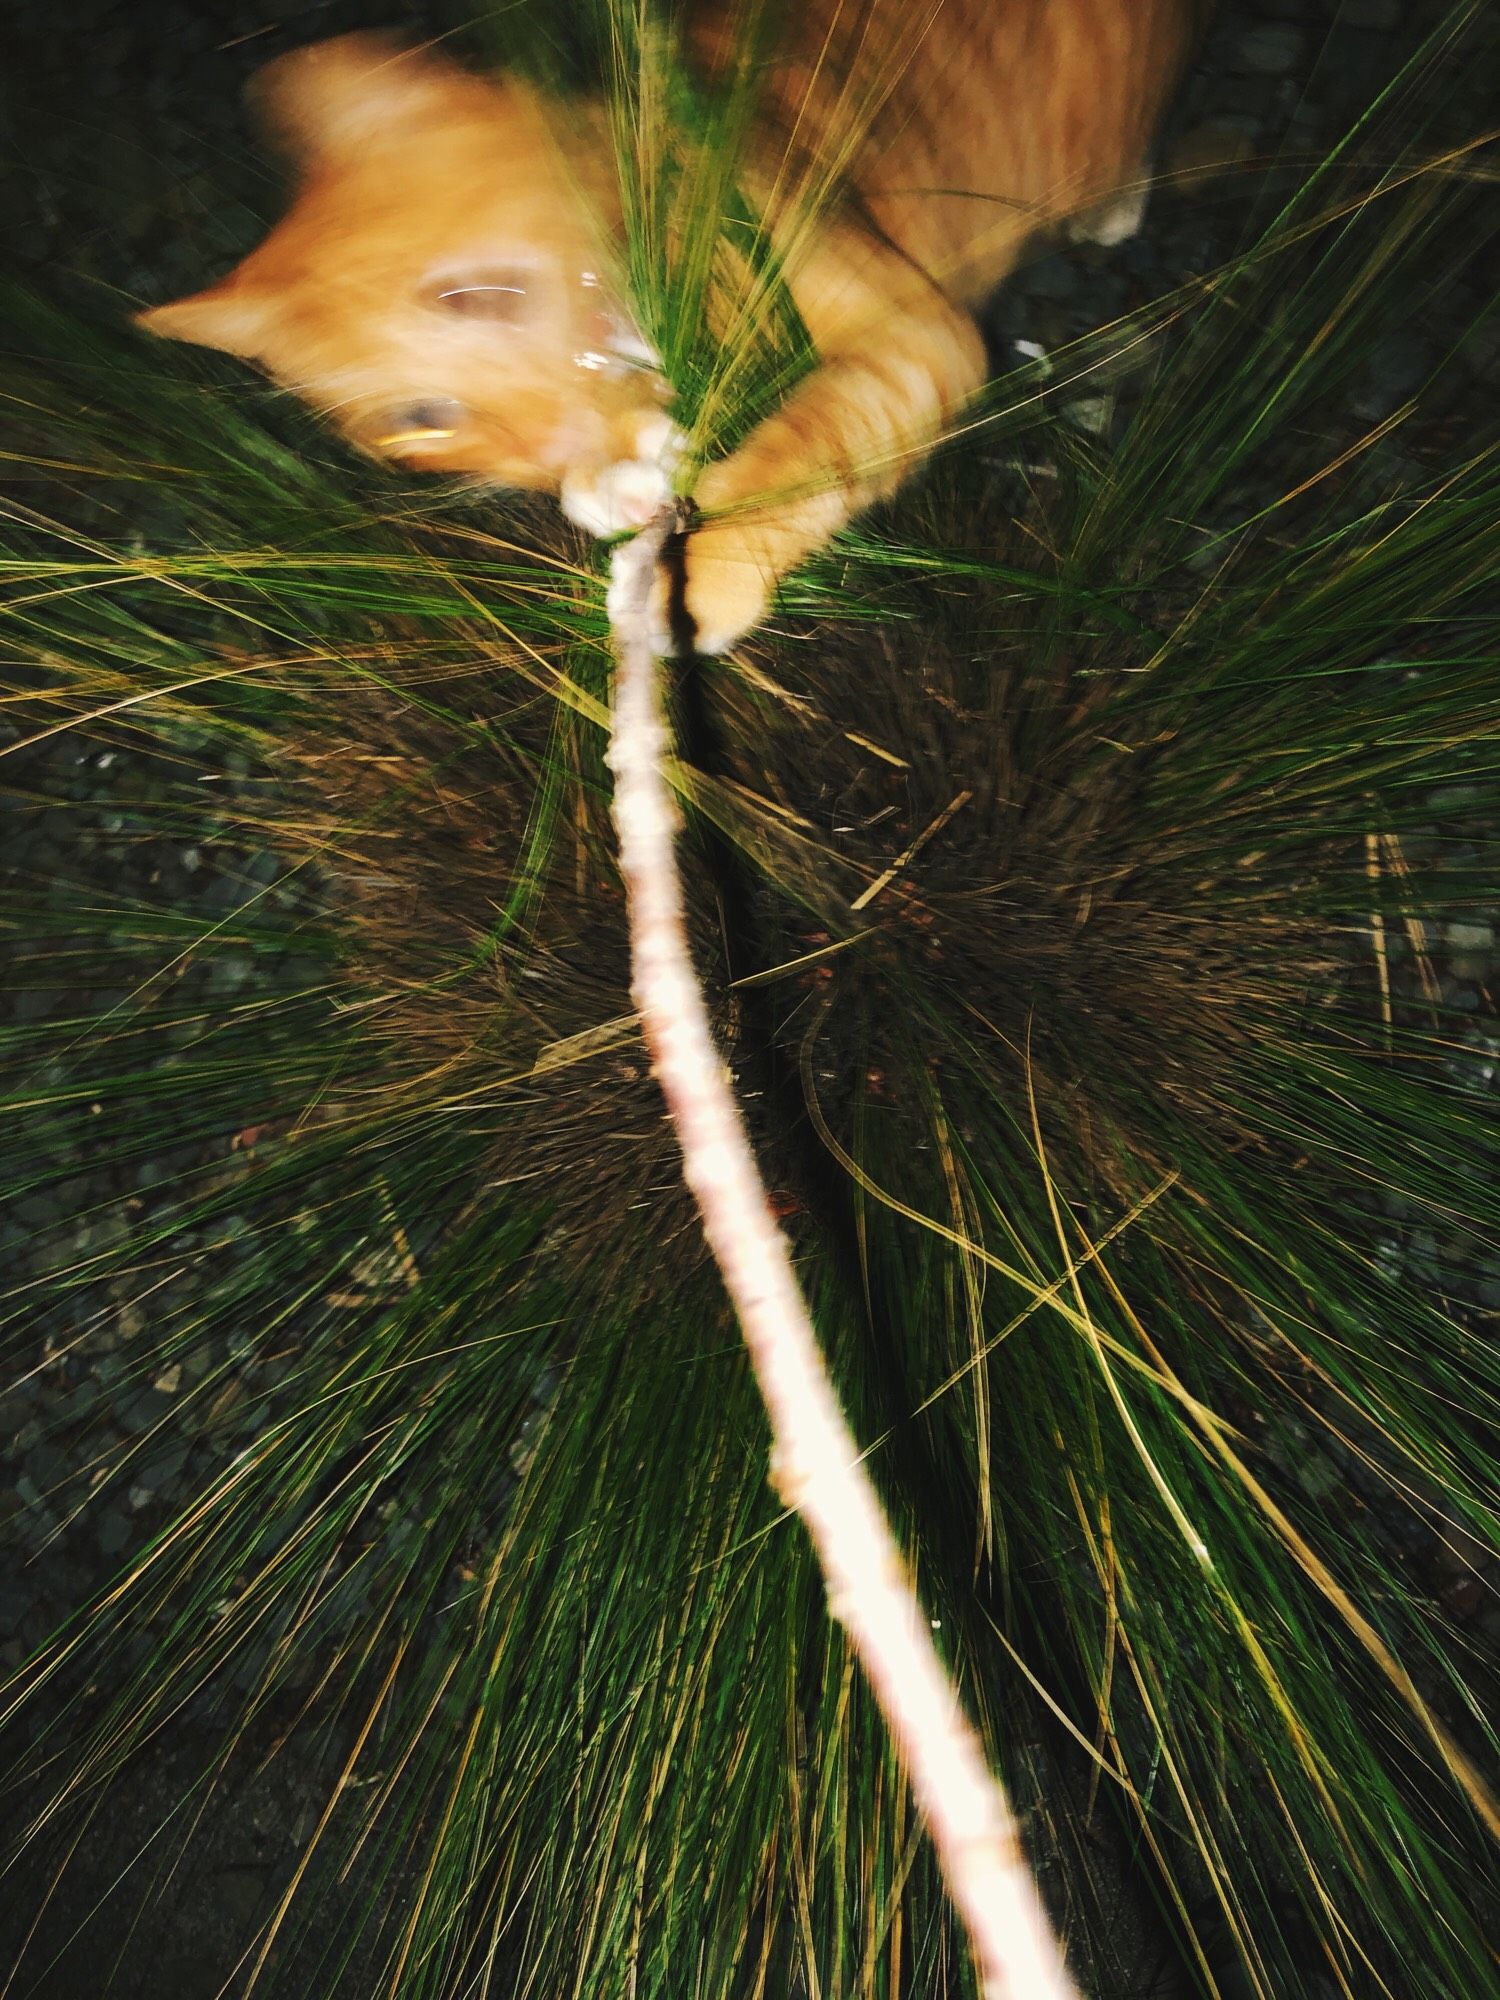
(500, 296)
(430, 422)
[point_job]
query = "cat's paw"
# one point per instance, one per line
(1114, 221)
(726, 591)
(617, 499)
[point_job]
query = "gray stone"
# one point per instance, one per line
(1480, 346)
(1456, 798)
(194, 1362)
(1394, 371)
(145, 1408)
(81, 1398)
(39, 1211)
(1272, 49)
(1382, 14)
(230, 972)
(31, 1003)
(160, 1472)
(112, 47)
(1353, 64)
(1054, 278)
(48, 1467)
(1471, 935)
(113, 1532)
(14, 1604)
(226, 893)
(264, 867)
(1244, 101)
(102, 1233)
(1318, 1479)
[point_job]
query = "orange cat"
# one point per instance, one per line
(441, 288)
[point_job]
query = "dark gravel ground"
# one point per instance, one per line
(132, 177)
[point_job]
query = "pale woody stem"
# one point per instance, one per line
(814, 1460)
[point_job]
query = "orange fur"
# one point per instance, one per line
(440, 286)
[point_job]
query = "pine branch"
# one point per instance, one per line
(815, 1463)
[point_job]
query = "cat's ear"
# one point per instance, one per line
(225, 316)
(323, 101)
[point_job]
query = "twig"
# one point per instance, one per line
(815, 1465)
(904, 860)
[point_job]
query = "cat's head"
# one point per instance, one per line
(439, 288)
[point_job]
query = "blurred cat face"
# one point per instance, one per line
(437, 287)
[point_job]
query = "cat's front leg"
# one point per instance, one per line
(848, 434)
(731, 566)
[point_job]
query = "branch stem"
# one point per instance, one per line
(815, 1465)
